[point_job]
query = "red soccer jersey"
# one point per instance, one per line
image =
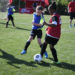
(71, 6)
(55, 31)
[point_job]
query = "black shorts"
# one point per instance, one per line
(37, 33)
(72, 15)
(51, 40)
(10, 17)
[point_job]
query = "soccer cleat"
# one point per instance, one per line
(46, 55)
(57, 62)
(23, 52)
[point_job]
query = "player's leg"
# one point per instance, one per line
(27, 45)
(54, 53)
(7, 24)
(12, 20)
(71, 23)
(40, 44)
(7, 21)
(74, 19)
(71, 18)
(43, 49)
(28, 42)
(74, 22)
(39, 36)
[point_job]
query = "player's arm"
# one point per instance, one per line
(34, 21)
(53, 24)
(36, 24)
(69, 5)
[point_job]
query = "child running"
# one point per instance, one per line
(11, 11)
(53, 32)
(36, 29)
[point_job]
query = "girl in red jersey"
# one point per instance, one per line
(53, 32)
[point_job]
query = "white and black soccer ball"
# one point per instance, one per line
(37, 58)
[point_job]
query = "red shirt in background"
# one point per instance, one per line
(71, 6)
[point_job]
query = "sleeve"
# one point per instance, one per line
(54, 20)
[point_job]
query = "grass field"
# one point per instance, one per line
(12, 41)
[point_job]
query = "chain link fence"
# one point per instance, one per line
(3, 8)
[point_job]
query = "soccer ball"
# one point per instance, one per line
(37, 58)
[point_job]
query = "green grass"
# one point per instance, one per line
(12, 41)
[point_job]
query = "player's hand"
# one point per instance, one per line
(46, 29)
(40, 24)
(44, 23)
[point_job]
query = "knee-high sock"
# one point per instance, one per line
(54, 53)
(27, 45)
(43, 49)
(41, 45)
(7, 24)
(13, 23)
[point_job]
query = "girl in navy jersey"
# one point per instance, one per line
(36, 29)
(11, 11)
(53, 32)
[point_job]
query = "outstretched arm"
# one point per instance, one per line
(53, 24)
(36, 24)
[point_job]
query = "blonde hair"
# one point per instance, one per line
(39, 7)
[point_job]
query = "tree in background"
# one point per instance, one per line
(62, 6)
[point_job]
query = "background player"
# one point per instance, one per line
(11, 11)
(71, 10)
(36, 29)
(53, 32)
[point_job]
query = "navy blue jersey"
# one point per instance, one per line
(10, 11)
(36, 19)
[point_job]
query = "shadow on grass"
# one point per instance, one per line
(64, 65)
(12, 60)
(3, 23)
(45, 64)
(23, 29)
(51, 59)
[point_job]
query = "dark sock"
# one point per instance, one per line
(41, 46)
(54, 53)
(13, 23)
(43, 49)
(7, 25)
(27, 45)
